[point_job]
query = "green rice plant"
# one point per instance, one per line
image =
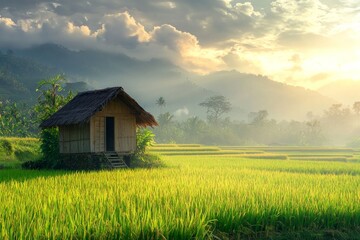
(189, 145)
(194, 197)
(266, 156)
(319, 155)
(209, 153)
(165, 145)
(177, 145)
(194, 153)
(316, 158)
(183, 149)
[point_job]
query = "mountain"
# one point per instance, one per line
(147, 80)
(346, 92)
(248, 93)
(97, 66)
(19, 77)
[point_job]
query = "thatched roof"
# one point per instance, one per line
(86, 104)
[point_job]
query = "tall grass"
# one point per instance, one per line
(196, 197)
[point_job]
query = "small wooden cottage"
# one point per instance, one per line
(100, 121)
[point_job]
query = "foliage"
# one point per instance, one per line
(338, 125)
(167, 130)
(141, 158)
(9, 81)
(50, 100)
(51, 96)
(148, 160)
(161, 102)
(144, 139)
(216, 106)
(197, 197)
(50, 146)
(16, 120)
(7, 147)
(259, 117)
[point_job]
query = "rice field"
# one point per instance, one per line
(209, 196)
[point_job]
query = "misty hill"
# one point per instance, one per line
(346, 92)
(248, 92)
(96, 66)
(147, 80)
(19, 77)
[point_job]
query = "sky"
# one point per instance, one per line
(299, 42)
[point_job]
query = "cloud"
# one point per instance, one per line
(278, 38)
(122, 29)
(7, 22)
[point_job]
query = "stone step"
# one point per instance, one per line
(115, 160)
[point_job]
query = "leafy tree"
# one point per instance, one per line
(167, 131)
(258, 117)
(50, 100)
(312, 135)
(216, 106)
(336, 112)
(193, 129)
(165, 119)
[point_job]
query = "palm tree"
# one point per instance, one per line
(161, 102)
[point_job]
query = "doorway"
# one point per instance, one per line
(110, 134)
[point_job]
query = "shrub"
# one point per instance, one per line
(144, 139)
(141, 158)
(148, 160)
(35, 165)
(50, 146)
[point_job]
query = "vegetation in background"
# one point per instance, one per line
(338, 125)
(50, 100)
(216, 106)
(16, 120)
(15, 151)
(161, 102)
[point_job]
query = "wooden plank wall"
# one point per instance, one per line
(126, 140)
(97, 133)
(75, 138)
(125, 128)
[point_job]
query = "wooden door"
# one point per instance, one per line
(110, 134)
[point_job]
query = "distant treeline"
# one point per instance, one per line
(336, 126)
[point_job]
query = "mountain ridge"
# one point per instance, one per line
(147, 80)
